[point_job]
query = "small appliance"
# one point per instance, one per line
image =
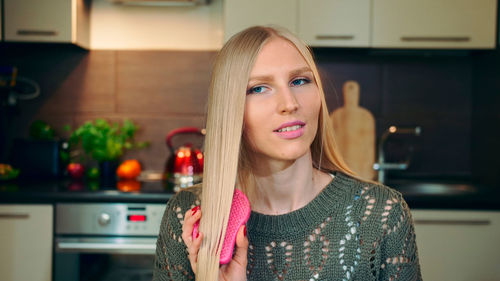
(184, 167)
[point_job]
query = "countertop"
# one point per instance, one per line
(418, 194)
(47, 192)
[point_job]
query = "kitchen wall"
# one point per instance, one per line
(427, 89)
(452, 95)
(158, 90)
(163, 90)
(486, 119)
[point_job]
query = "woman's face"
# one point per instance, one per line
(282, 103)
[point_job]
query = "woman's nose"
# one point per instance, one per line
(288, 102)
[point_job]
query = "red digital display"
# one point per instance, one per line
(136, 218)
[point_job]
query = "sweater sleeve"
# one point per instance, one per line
(399, 255)
(171, 261)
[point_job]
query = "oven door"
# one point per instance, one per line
(104, 258)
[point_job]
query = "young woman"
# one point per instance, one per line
(268, 134)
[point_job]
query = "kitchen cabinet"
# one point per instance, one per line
(240, 14)
(1, 21)
(423, 24)
(453, 24)
(458, 245)
(26, 233)
(335, 22)
(61, 21)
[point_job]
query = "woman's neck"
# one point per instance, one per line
(284, 188)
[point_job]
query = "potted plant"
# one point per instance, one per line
(106, 143)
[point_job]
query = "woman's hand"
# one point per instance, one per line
(193, 245)
(236, 269)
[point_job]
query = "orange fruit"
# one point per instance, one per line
(128, 185)
(129, 169)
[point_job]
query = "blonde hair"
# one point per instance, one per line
(226, 154)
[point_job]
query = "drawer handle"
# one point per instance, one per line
(36, 32)
(334, 37)
(14, 216)
(453, 222)
(434, 39)
(85, 247)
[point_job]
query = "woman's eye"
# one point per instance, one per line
(256, 90)
(300, 81)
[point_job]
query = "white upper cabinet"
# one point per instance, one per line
(335, 22)
(64, 21)
(240, 14)
(418, 24)
(436, 24)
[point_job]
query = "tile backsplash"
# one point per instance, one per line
(164, 90)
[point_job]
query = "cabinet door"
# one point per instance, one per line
(40, 21)
(26, 242)
(335, 22)
(452, 24)
(240, 14)
(1, 21)
(458, 245)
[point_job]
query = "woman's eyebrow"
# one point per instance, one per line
(263, 78)
(266, 78)
(300, 71)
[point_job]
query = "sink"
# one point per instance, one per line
(432, 188)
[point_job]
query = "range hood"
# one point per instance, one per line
(161, 2)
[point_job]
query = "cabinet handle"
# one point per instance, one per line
(453, 222)
(14, 216)
(36, 32)
(334, 37)
(85, 247)
(434, 39)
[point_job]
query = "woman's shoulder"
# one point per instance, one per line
(370, 189)
(186, 199)
(374, 199)
(379, 207)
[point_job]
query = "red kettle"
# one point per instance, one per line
(184, 167)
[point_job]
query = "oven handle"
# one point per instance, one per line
(142, 247)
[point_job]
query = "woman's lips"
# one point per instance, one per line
(291, 130)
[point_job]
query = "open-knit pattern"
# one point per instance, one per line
(350, 231)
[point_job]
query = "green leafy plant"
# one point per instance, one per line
(103, 141)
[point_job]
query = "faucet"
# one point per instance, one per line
(381, 166)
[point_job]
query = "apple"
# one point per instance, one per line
(75, 170)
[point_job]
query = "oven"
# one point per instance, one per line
(105, 241)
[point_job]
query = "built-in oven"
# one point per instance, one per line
(105, 241)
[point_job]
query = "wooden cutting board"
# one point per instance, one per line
(354, 129)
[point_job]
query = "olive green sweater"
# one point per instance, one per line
(350, 231)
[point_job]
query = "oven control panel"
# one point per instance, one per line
(129, 219)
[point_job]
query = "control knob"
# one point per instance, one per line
(104, 219)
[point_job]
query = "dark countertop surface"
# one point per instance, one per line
(448, 194)
(47, 192)
(418, 194)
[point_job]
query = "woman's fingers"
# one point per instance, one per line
(193, 245)
(193, 251)
(236, 269)
(190, 218)
(240, 255)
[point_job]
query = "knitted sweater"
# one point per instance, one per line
(351, 231)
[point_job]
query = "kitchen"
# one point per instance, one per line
(152, 64)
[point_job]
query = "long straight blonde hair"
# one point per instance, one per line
(226, 154)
